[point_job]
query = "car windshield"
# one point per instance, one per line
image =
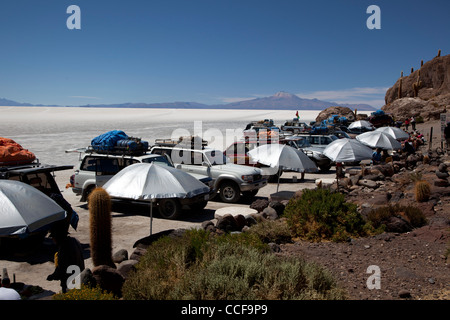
(216, 157)
(302, 143)
(333, 137)
(158, 160)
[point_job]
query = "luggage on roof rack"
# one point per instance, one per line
(12, 153)
(191, 142)
(117, 142)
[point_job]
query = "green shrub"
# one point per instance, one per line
(379, 216)
(85, 293)
(322, 215)
(276, 231)
(233, 266)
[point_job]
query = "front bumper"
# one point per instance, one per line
(249, 186)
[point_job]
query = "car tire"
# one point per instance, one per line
(229, 192)
(250, 194)
(88, 192)
(325, 168)
(199, 206)
(169, 208)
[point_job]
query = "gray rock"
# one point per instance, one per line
(260, 204)
(274, 247)
(206, 224)
(368, 183)
(138, 253)
(395, 224)
(278, 206)
(250, 220)
(120, 256)
(270, 213)
(87, 278)
(126, 266)
(240, 221)
(227, 223)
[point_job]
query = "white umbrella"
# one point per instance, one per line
(395, 132)
(282, 157)
(347, 150)
(25, 209)
(149, 181)
(360, 124)
(378, 139)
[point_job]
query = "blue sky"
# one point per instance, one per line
(213, 51)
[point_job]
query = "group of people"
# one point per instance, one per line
(410, 121)
(408, 146)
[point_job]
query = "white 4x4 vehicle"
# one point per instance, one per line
(95, 169)
(231, 180)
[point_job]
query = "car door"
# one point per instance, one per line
(199, 164)
(105, 169)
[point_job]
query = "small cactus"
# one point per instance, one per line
(439, 53)
(100, 227)
(422, 191)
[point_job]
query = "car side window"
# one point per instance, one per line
(89, 164)
(107, 166)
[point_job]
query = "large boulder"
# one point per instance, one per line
(341, 111)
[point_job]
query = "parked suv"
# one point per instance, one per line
(315, 151)
(39, 176)
(36, 175)
(230, 180)
(96, 169)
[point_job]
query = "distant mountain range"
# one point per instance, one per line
(281, 100)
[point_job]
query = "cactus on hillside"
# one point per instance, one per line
(422, 190)
(100, 227)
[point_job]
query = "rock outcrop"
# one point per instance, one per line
(425, 92)
(341, 111)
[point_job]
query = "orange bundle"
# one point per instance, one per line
(12, 153)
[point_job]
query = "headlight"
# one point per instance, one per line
(247, 178)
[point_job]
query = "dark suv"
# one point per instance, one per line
(36, 175)
(41, 177)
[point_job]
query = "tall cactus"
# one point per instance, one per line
(417, 85)
(100, 227)
(400, 88)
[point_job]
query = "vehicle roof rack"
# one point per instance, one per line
(190, 142)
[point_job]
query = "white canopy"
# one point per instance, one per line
(283, 157)
(379, 139)
(395, 132)
(25, 209)
(146, 181)
(347, 150)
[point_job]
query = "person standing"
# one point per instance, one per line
(447, 136)
(407, 124)
(69, 253)
(413, 123)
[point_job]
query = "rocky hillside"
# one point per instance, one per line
(425, 92)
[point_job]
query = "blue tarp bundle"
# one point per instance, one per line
(108, 140)
(319, 130)
(378, 113)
